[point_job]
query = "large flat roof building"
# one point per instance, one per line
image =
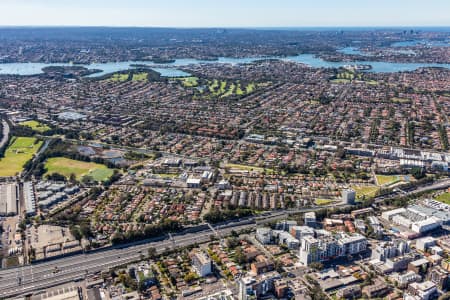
(8, 199)
(29, 197)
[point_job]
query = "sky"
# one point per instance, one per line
(229, 13)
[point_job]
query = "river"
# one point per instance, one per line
(170, 69)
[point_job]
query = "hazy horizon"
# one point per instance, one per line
(362, 27)
(229, 14)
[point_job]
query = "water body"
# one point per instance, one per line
(112, 67)
(377, 66)
(170, 69)
(26, 69)
(352, 51)
(423, 43)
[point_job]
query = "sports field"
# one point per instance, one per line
(66, 167)
(20, 150)
(35, 125)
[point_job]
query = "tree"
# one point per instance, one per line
(418, 173)
(72, 178)
(190, 277)
(75, 231)
(240, 256)
(232, 242)
(316, 266)
(87, 179)
(152, 252)
(56, 177)
(85, 230)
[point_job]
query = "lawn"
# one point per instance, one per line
(140, 77)
(400, 100)
(249, 168)
(239, 90)
(36, 126)
(66, 166)
(368, 191)
(323, 201)
(444, 198)
(223, 85)
(189, 81)
(17, 154)
(221, 88)
(340, 80)
(118, 77)
(168, 176)
(230, 90)
(371, 82)
(346, 75)
(387, 179)
(250, 88)
(213, 86)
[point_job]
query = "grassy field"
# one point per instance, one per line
(400, 100)
(17, 154)
(249, 168)
(66, 166)
(371, 82)
(368, 191)
(213, 85)
(344, 77)
(323, 201)
(168, 176)
(188, 81)
(239, 90)
(444, 198)
(139, 77)
(341, 80)
(225, 89)
(230, 91)
(387, 179)
(117, 77)
(219, 88)
(35, 125)
(250, 88)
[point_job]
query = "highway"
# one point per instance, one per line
(46, 274)
(437, 185)
(5, 136)
(31, 278)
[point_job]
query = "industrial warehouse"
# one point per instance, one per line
(415, 220)
(8, 199)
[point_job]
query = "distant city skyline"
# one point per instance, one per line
(231, 13)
